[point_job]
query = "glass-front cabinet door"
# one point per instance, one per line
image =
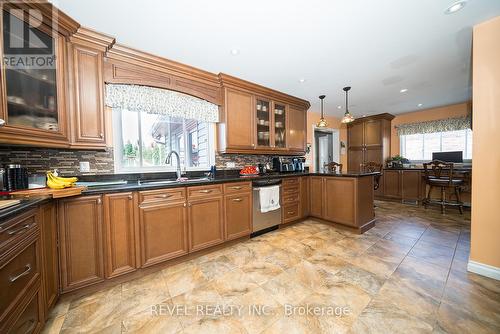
(279, 114)
(263, 119)
(31, 79)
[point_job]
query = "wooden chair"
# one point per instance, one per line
(332, 167)
(440, 174)
(371, 167)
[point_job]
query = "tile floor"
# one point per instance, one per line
(406, 275)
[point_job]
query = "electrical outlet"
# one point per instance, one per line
(84, 167)
(230, 164)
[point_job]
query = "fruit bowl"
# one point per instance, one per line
(249, 171)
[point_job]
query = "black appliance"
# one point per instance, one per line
(16, 177)
(283, 164)
(453, 156)
(299, 164)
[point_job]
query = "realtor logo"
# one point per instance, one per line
(27, 40)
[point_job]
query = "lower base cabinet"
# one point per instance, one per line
(81, 241)
(30, 319)
(339, 200)
(163, 232)
(316, 196)
(119, 233)
(304, 197)
(206, 226)
(238, 215)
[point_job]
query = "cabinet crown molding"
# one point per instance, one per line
(386, 116)
(230, 81)
(96, 39)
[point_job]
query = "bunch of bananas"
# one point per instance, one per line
(57, 182)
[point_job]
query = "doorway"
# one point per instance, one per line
(326, 147)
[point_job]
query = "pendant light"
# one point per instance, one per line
(322, 122)
(347, 115)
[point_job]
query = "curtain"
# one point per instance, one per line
(160, 101)
(449, 124)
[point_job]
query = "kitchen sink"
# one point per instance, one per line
(170, 181)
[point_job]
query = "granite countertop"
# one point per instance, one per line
(134, 185)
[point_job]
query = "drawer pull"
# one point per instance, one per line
(163, 196)
(206, 191)
(291, 212)
(12, 279)
(22, 229)
(236, 187)
(237, 200)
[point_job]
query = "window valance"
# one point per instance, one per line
(449, 124)
(160, 101)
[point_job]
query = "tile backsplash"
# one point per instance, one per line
(39, 160)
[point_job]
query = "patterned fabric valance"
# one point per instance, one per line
(449, 124)
(160, 101)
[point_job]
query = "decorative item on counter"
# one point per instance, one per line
(213, 171)
(249, 171)
(348, 118)
(397, 161)
(57, 182)
(322, 122)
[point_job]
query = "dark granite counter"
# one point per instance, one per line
(133, 184)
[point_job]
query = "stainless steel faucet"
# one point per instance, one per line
(169, 158)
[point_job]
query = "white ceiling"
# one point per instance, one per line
(377, 47)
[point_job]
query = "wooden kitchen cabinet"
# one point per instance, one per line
(206, 222)
(339, 200)
(368, 140)
(86, 63)
(392, 184)
(33, 100)
(50, 267)
(80, 223)
(238, 215)
(163, 225)
(120, 230)
(259, 120)
(297, 131)
(316, 200)
(236, 131)
(412, 185)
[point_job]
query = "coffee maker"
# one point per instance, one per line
(283, 164)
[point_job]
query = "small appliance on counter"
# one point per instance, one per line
(287, 164)
(16, 177)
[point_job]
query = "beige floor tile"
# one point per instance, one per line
(184, 280)
(234, 284)
(453, 319)
(286, 289)
(359, 277)
(261, 271)
(216, 267)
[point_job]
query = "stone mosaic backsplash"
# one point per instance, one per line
(39, 160)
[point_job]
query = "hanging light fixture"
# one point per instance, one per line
(348, 118)
(322, 122)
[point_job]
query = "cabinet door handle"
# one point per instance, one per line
(99, 201)
(206, 191)
(2, 122)
(26, 271)
(237, 200)
(130, 197)
(19, 230)
(235, 188)
(101, 135)
(163, 196)
(185, 204)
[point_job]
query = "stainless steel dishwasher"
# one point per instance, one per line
(264, 222)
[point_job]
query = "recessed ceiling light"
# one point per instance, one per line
(235, 52)
(455, 7)
(419, 105)
(339, 107)
(302, 80)
(404, 90)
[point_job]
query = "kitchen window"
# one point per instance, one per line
(142, 142)
(420, 146)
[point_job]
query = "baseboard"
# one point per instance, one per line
(484, 269)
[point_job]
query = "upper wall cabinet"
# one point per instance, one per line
(86, 69)
(258, 120)
(33, 81)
